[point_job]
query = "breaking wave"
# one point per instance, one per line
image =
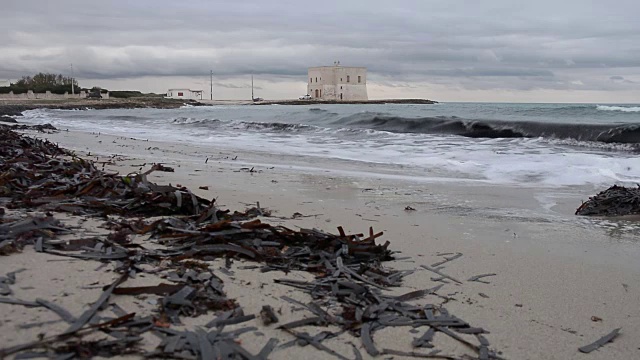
(368, 124)
(619, 108)
(196, 122)
(625, 133)
(274, 126)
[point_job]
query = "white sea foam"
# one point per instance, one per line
(619, 108)
(520, 161)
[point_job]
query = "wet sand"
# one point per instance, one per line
(554, 272)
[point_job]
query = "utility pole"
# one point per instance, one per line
(211, 85)
(73, 90)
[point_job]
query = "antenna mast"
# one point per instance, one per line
(73, 91)
(251, 87)
(211, 84)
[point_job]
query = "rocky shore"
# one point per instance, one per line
(9, 108)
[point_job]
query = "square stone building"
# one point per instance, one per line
(339, 83)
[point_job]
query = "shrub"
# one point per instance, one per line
(125, 94)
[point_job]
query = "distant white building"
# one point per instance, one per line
(184, 94)
(338, 83)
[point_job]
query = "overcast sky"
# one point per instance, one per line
(493, 50)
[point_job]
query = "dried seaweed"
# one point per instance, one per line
(5, 281)
(478, 277)
(438, 272)
(615, 201)
(268, 315)
(600, 342)
(347, 292)
(62, 312)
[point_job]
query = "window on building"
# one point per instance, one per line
(348, 78)
(340, 79)
(310, 80)
(179, 94)
(316, 79)
(359, 79)
(340, 87)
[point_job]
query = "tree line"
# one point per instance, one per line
(59, 84)
(42, 82)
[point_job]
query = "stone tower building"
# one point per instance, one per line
(338, 83)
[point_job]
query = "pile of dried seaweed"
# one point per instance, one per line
(615, 201)
(35, 176)
(348, 291)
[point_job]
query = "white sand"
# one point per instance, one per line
(553, 273)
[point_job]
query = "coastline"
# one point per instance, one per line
(16, 107)
(539, 305)
(346, 102)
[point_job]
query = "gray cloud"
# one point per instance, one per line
(236, 86)
(498, 44)
(618, 78)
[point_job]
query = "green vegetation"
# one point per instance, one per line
(58, 84)
(131, 94)
(96, 89)
(125, 94)
(40, 83)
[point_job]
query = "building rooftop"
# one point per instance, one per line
(338, 66)
(185, 89)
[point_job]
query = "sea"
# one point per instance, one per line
(539, 145)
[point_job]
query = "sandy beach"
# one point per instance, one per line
(386, 180)
(560, 282)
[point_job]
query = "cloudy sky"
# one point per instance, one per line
(493, 50)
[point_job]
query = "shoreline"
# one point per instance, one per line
(346, 102)
(16, 107)
(543, 268)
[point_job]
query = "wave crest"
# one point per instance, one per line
(195, 122)
(618, 108)
(627, 133)
(277, 126)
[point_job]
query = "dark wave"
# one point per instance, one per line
(625, 133)
(276, 126)
(196, 123)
